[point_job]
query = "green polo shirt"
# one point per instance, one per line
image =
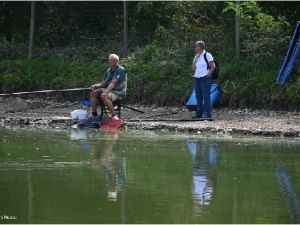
(119, 74)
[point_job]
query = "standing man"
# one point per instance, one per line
(112, 88)
(202, 80)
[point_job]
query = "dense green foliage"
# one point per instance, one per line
(73, 41)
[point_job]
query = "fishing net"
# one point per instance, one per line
(91, 123)
(112, 124)
(100, 123)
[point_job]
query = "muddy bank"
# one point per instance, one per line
(41, 112)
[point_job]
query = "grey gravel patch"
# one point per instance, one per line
(40, 112)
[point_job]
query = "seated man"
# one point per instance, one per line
(112, 88)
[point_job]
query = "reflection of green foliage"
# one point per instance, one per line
(44, 167)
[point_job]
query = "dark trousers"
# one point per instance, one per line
(202, 91)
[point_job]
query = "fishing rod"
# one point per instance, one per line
(170, 119)
(164, 114)
(133, 109)
(62, 90)
(46, 91)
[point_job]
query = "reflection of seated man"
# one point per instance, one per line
(112, 88)
(107, 161)
(204, 154)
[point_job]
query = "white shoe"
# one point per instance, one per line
(115, 117)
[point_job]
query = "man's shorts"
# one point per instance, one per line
(112, 96)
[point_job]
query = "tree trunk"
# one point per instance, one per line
(125, 21)
(237, 34)
(30, 50)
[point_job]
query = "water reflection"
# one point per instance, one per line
(288, 191)
(216, 181)
(113, 166)
(204, 155)
(80, 135)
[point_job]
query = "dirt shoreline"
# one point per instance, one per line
(40, 112)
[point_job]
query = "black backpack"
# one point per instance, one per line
(216, 72)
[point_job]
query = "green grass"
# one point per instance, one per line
(159, 76)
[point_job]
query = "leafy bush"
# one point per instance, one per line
(263, 37)
(156, 75)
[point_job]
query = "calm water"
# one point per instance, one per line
(131, 177)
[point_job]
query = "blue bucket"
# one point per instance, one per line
(86, 102)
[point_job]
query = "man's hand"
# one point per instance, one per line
(94, 86)
(104, 95)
